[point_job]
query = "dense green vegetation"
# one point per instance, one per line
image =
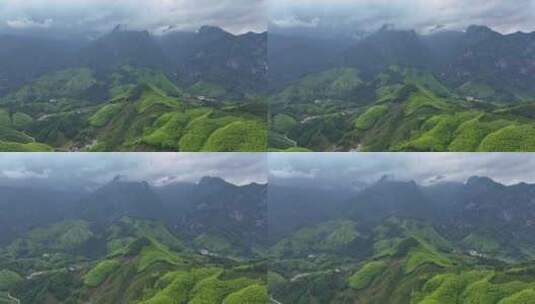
(330, 236)
(365, 275)
(131, 109)
(204, 88)
(370, 117)
(399, 109)
(415, 269)
(139, 262)
(402, 243)
(335, 84)
(129, 242)
(8, 279)
(53, 87)
(100, 272)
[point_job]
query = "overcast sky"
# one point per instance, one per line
(319, 169)
(360, 169)
(93, 169)
(505, 16)
(94, 16)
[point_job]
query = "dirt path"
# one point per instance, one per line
(13, 298)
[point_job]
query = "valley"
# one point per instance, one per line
(398, 90)
(400, 242)
(133, 91)
(127, 242)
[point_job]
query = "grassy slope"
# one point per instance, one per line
(331, 84)
(8, 279)
(399, 279)
(158, 275)
(325, 237)
(155, 121)
(13, 134)
(144, 113)
(365, 275)
(138, 269)
(426, 119)
(411, 263)
(100, 272)
(70, 83)
(412, 111)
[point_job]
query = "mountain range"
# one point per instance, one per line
(209, 55)
(388, 90)
(391, 241)
(130, 242)
(403, 91)
(131, 90)
(401, 242)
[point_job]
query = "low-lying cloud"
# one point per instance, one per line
(96, 16)
(421, 15)
(333, 170)
(25, 23)
(67, 170)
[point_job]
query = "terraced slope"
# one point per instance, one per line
(145, 112)
(414, 266)
(132, 261)
(130, 242)
(400, 109)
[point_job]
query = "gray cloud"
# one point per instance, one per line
(95, 16)
(422, 15)
(357, 169)
(65, 170)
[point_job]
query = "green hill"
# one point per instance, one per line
(335, 84)
(402, 109)
(419, 267)
(147, 119)
(326, 237)
(140, 262)
(131, 109)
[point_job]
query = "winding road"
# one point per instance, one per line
(13, 298)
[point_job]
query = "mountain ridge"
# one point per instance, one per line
(472, 245)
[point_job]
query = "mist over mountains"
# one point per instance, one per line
(71, 246)
(388, 90)
(130, 90)
(359, 237)
(478, 53)
(401, 90)
(392, 241)
(209, 54)
(211, 206)
(480, 206)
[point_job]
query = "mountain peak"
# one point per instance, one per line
(122, 198)
(391, 180)
(387, 185)
(474, 28)
(211, 30)
(124, 33)
(481, 181)
(122, 47)
(212, 180)
(481, 31)
(120, 182)
(389, 30)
